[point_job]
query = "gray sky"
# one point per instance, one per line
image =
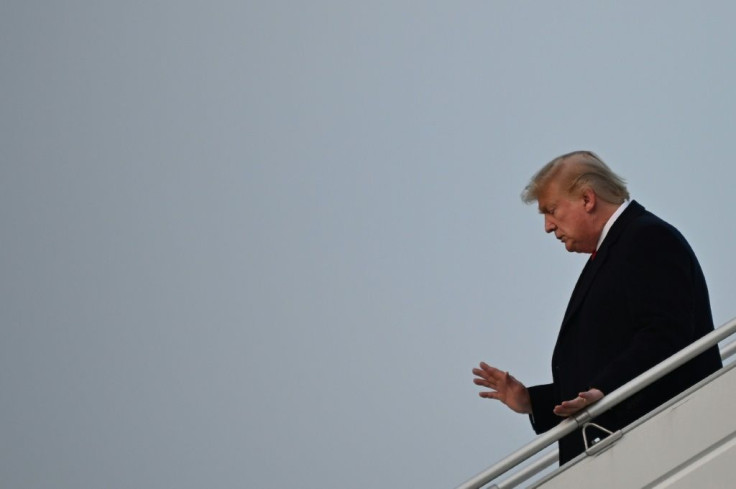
(262, 244)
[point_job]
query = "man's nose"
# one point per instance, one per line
(549, 225)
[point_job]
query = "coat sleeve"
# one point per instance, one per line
(657, 276)
(543, 401)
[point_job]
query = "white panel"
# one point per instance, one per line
(712, 470)
(690, 440)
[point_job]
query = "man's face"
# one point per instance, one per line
(566, 216)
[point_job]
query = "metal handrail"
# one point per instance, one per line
(607, 402)
(728, 351)
(527, 472)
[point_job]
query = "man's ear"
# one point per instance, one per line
(589, 199)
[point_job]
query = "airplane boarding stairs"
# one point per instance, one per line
(691, 443)
(688, 442)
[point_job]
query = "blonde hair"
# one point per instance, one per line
(587, 170)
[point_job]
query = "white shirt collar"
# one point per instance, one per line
(610, 222)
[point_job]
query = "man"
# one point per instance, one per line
(640, 298)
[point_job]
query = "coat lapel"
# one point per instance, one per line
(588, 274)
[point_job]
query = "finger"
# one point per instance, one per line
(585, 398)
(492, 370)
(579, 401)
(481, 373)
(567, 408)
(591, 396)
(484, 383)
(565, 411)
(489, 395)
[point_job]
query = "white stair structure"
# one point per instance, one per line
(689, 442)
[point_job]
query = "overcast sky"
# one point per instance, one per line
(262, 244)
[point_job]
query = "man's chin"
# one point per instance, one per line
(574, 249)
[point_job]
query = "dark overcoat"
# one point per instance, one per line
(641, 299)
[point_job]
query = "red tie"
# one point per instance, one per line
(592, 255)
